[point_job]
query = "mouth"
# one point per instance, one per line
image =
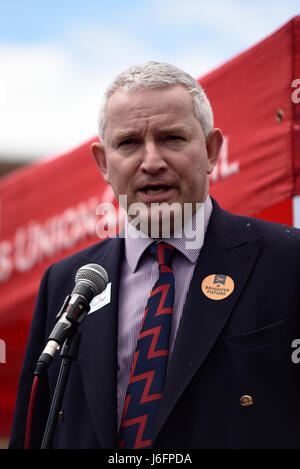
(155, 193)
(155, 190)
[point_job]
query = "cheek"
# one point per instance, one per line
(193, 164)
(120, 174)
(193, 176)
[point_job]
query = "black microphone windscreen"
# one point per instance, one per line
(94, 275)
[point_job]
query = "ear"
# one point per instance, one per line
(214, 142)
(97, 150)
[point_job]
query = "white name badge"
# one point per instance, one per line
(100, 300)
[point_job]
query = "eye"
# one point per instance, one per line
(127, 141)
(175, 138)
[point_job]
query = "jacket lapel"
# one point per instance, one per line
(97, 355)
(228, 250)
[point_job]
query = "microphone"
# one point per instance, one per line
(90, 280)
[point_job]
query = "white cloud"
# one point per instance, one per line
(197, 61)
(244, 21)
(50, 93)
(35, 99)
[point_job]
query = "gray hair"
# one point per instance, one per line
(155, 75)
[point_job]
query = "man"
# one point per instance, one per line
(229, 306)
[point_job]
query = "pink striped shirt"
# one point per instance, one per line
(138, 275)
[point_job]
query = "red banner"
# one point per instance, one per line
(257, 108)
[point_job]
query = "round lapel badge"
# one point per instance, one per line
(217, 286)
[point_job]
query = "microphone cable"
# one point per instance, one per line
(30, 411)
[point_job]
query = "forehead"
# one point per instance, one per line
(172, 103)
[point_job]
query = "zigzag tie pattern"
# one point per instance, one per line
(149, 366)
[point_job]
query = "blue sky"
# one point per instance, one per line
(57, 56)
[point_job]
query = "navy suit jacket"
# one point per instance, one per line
(225, 349)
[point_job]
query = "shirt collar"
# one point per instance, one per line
(136, 242)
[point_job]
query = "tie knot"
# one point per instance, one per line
(163, 253)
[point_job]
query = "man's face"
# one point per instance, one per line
(154, 147)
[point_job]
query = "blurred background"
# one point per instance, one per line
(56, 59)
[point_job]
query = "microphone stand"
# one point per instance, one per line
(68, 353)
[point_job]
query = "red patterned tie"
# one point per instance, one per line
(149, 366)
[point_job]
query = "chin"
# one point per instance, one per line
(160, 220)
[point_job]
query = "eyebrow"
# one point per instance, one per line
(133, 133)
(173, 129)
(125, 134)
(121, 135)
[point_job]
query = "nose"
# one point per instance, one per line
(153, 160)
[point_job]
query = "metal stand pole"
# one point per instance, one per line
(68, 353)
